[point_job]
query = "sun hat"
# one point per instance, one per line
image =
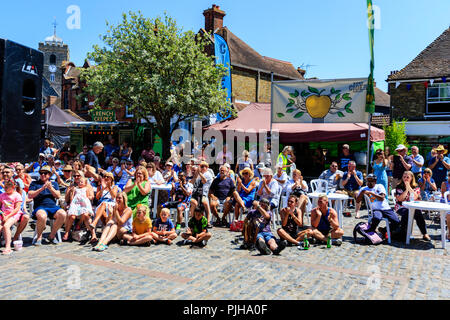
(268, 172)
(45, 169)
(400, 147)
(67, 167)
(441, 148)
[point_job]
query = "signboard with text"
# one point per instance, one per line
(103, 115)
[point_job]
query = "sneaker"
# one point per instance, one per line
(280, 247)
(202, 243)
(178, 227)
(262, 247)
(426, 237)
(187, 242)
(209, 225)
(36, 243)
(52, 241)
(336, 242)
(244, 246)
(252, 247)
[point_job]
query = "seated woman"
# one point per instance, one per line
(408, 190)
(299, 188)
(118, 224)
(291, 220)
(22, 175)
(427, 184)
(246, 187)
(10, 203)
(79, 198)
(142, 228)
(138, 190)
(106, 196)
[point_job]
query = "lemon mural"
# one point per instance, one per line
(316, 104)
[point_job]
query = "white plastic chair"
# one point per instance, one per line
(370, 213)
(446, 195)
(319, 185)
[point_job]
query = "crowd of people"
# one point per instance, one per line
(80, 193)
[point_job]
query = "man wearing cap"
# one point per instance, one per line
(345, 157)
(439, 164)
(380, 205)
(400, 163)
(65, 180)
(45, 194)
(269, 188)
(92, 158)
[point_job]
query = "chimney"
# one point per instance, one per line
(213, 18)
(301, 71)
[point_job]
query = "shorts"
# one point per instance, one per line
(291, 233)
(266, 236)
(325, 232)
(50, 211)
(350, 193)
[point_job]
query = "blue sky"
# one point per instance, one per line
(329, 35)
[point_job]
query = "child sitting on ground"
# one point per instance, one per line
(142, 229)
(197, 232)
(164, 229)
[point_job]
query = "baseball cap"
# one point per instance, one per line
(400, 147)
(371, 176)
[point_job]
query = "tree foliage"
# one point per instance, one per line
(395, 134)
(160, 72)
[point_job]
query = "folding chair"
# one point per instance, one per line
(370, 214)
(319, 185)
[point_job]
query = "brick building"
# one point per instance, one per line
(420, 93)
(250, 72)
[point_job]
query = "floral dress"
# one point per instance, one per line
(80, 203)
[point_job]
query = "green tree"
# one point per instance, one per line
(160, 72)
(395, 134)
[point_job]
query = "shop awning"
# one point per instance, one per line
(256, 116)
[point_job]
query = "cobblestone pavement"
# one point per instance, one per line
(222, 271)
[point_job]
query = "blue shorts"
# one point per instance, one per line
(50, 211)
(265, 235)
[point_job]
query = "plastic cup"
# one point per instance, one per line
(18, 245)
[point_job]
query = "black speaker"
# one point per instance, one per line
(21, 71)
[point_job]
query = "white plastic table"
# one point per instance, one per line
(428, 206)
(158, 187)
(338, 198)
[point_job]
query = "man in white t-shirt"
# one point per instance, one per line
(380, 205)
(281, 177)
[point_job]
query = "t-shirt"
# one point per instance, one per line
(110, 148)
(415, 168)
(125, 176)
(200, 188)
(288, 187)
(439, 170)
(163, 226)
(197, 226)
(263, 225)
(378, 204)
(399, 191)
(351, 183)
(157, 177)
(115, 171)
(142, 227)
(284, 177)
(399, 168)
(427, 190)
(92, 160)
(344, 160)
(45, 198)
(242, 164)
(8, 201)
(222, 188)
(273, 186)
(179, 195)
(330, 176)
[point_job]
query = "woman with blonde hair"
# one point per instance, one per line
(137, 190)
(244, 162)
(408, 190)
(299, 188)
(119, 223)
(246, 187)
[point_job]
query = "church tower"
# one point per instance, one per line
(55, 53)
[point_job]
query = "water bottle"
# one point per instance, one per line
(411, 197)
(305, 243)
(329, 241)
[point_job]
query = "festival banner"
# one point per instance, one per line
(319, 101)
(222, 54)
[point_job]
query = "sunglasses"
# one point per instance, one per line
(77, 176)
(67, 171)
(44, 173)
(245, 173)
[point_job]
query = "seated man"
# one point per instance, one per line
(265, 240)
(291, 221)
(201, 180)
(221, 190)
(45, 193)
(269, 189)
(332, 176)
(351, 183)
(380, 205)
(324, 223)
(197, 231)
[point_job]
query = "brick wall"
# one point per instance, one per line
(408, 104)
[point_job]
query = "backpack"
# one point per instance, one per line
(369, 237)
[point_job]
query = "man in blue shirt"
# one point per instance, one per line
(439, 165)
(351, 183)
(345, 157)
(92, 159)
(417, 162)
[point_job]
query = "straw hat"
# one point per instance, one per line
(250, 172)
(108, 175)
(441, 148)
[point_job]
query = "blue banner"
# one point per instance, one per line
(222, 54)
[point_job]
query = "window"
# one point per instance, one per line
(52, 59)
(52, 77)
(438, 98)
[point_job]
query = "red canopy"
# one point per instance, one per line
(256, 116)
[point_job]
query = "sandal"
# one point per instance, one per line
(65, 237)
(97, 247)
(7, 252)
(102, 248)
